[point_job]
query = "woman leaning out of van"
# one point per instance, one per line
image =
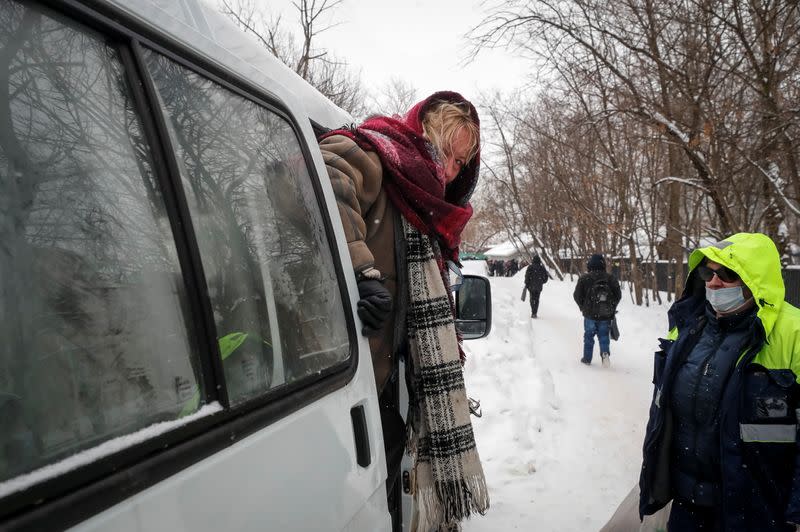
(403, 186)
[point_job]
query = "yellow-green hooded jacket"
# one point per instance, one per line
(760, 460)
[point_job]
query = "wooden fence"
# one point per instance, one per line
(661, 271)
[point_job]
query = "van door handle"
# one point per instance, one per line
(361, 435)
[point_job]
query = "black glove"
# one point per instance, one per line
(374, 306)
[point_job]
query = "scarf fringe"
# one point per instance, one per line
(464, 498)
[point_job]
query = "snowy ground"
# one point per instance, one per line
(560, 442)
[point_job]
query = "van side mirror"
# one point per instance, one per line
(474, 307)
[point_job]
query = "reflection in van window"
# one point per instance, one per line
(268, 266)
(94, 339)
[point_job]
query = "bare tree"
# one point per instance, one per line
(394, 97)
(665, 123)
(330, 75)
(509, 179)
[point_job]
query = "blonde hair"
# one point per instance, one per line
(443, 121)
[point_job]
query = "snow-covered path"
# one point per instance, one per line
(560, 442)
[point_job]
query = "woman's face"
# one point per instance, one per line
(457, 159)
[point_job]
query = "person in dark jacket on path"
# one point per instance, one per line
(721, 441)
(597, 295)
(535, 277)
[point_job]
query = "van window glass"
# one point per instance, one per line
(94, 338)
(268, 266)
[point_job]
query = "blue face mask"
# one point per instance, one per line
(726, 299)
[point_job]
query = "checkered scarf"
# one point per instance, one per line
(449, 478)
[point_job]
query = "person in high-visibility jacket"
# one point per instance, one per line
(228, 345)
(721, 441)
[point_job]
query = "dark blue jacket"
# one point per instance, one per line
(758, 454)
(694, 402)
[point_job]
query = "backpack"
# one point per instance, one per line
(542, 274)
(598, 302)
(535, 276)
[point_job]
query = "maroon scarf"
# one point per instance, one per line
(413, 177)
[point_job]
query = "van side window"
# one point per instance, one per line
(95, 342)
(267, 263)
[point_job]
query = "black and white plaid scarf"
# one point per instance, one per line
(449, 479)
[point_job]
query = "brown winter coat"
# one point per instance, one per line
(369, 221)
(372, 222)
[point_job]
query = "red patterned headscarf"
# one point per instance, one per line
(413, 176)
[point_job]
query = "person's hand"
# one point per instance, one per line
(374, 306)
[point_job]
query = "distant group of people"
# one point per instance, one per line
(503, 268)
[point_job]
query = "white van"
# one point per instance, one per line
(179, 345)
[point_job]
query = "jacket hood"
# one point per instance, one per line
(596, 263)
(754, 257)
(460, 190)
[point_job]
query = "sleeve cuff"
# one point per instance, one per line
(368, 273)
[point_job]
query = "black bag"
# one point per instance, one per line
(614, 332)
(598, 300)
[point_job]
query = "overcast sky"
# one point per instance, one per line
(420, 42)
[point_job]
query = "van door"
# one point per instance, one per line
(182, 352)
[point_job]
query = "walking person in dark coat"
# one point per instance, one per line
(535, 277)
(597, 294)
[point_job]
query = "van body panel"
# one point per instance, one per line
(299, 472)
(372, 514)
